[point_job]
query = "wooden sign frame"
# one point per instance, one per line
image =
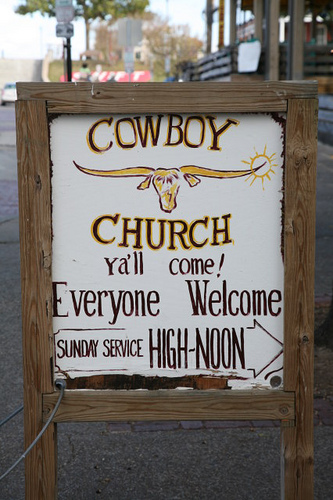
(293, 406)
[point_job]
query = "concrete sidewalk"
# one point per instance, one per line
(159, 460)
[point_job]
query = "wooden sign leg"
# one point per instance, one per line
(41, 463)
(300, 186)
(35, 242)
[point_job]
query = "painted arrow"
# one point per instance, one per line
(260, 346)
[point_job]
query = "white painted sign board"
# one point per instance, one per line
(167, 246)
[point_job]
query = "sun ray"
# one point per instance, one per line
(262, 166)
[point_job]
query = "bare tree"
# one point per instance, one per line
(171, 43)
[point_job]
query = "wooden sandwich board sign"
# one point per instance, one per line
(167, 243)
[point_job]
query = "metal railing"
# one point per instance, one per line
(318, 60)
(218, 66)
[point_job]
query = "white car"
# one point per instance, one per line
(8, 93)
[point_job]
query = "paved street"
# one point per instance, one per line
(160, 460)
(8, 169)
(324, 222)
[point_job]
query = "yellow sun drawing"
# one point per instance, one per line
(261, 166)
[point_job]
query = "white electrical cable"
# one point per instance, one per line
(60, 384)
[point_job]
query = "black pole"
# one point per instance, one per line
(69, 60)
(64, 55)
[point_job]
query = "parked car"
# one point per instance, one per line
(8, 93)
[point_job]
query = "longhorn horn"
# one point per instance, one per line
(123, 172)
(220, 174)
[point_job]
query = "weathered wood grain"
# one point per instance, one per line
(300, 188)
(35, 242)
(183, 97)
(171, 405)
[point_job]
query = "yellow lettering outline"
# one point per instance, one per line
(200, 119)
(113, 218)
(217, 133)
(90, 137)
(122, 144)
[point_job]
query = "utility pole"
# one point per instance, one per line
(209, 22)
(221, 24)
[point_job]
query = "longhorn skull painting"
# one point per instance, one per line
(166, 181)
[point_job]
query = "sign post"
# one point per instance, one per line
(65, 29)
(129, 61)
(184, 269)
(129, 35)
